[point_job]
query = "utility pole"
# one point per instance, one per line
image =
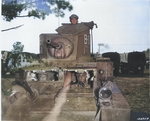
(100, 44)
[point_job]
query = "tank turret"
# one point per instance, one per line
(72, 42)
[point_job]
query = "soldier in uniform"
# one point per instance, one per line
(74, 19)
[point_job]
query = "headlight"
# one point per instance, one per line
(101, 71)
(105, 93)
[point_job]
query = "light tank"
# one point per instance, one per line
(69, 65)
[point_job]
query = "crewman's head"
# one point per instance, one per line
(74, 19)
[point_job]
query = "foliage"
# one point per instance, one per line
(17, 48)
(10, 61)
(34, 8)
(147, 51)
(5, 62)
(16, 58)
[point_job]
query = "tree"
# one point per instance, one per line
(10, 61)
(6, 56)
(34, 8)
(17, 50)
(147, 51)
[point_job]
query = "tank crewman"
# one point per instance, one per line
(74, 19)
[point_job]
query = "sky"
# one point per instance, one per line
(123, 26)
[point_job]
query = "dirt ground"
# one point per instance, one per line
(135, 89)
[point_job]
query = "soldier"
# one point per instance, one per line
(74, 19)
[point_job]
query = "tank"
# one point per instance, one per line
(69, 79)
(115, 58)
(133, 62)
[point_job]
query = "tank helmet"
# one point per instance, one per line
(74, 16)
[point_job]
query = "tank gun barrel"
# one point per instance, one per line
(54, 44)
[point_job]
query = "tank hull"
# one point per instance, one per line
(70, 84)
